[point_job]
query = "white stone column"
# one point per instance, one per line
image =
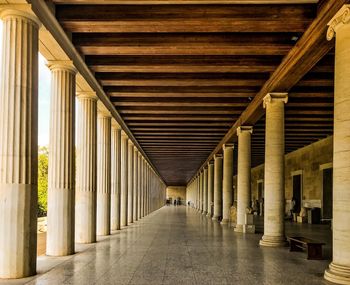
(103, 227)
(139, 186)
(217, 187)
(61, 177)
(243, 174)
(339, 270)
(274, 170)
(201, 180)
(130, 182)
(135, 186)
(205, 190)
(142, 196)
(86, 154)
(210, 188)
(115, 175)
(227, 183)
(124, 181)
(18, 144)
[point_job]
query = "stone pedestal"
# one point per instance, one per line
(130, 182)
(339, 270)
(227, 183)
(243, 174)
(115, 175)
(86, 152)
(124, 181)
(103, 227)
(205, 191)
(210, 188)
(217, 187)
(18, 144)
(274, 171)
(61, 177)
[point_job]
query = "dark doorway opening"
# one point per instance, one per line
(297, 188)
(327, 205)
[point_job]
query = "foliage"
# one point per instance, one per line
(43, 169)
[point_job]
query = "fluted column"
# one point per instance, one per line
(142, 197)
(339, 270)
(205, 190)
(243, 174)
(210, 188)
(135, 187)
(139, 186)
(124, 181)
(103, 174)
(227, 183)
(61, 177)
(274, 170)
(217, 187)
(201, 191)
(115, 175)
(130, 182)
(86, 154)
(18, 144)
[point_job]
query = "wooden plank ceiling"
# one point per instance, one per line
(181, 75)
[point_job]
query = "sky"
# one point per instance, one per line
(44, 98)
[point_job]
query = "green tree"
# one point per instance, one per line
(43, 170)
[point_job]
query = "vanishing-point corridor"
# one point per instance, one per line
(176, 245)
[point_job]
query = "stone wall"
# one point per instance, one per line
(175, 192)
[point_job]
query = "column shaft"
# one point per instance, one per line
(18, 145)
(124, 181)
(210, 188)
(86, 154)
(227, 183)
(135, 187)
(103, 174)
(115, 176)
(61, 177)
(139, 187)
(205, 191)
(274, 171)
(142, 197)
(217, 187)
(130, 182)
(243, 175)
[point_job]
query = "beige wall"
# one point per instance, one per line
(308, 160)
(175, 192)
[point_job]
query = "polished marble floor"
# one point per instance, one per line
(177, 245)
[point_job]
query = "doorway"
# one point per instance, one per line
(297, 191)
(327, 196)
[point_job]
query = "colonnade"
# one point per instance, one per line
(98, 179)
(274, 208)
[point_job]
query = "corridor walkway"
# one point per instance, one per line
(177, 245)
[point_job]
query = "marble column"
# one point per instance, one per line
(210, 188)
(274, 170)
(135, 186)
(124, 181)
(61, 176)
(243, 174)
(115, 175)
(103, 226)
(205, 191)
(18, 144)
(139, 186)
(201, 191)
(130, 182)
(339, 270)
(142, 196)
(217, 187)
(227, 183)
(86, 172)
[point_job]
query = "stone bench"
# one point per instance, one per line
(313, 248)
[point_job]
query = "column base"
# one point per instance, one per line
(238, 229)
(215, 218)
(338, 274)
(209, 215)
(271, 241)
(224, 222)
(204, 213)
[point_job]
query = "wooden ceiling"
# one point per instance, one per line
(183, 75)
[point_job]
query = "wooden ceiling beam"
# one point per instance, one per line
(157, 95)
(186, 2)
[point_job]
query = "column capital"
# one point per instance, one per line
(103, 114)
(218, 155)
(211, 162)
(270, 97)
(87, 95)
(66, 65)
(115, 125)
(130, 142)
(228, 145)
(244, 129)
(341, 18)
(23, 11)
